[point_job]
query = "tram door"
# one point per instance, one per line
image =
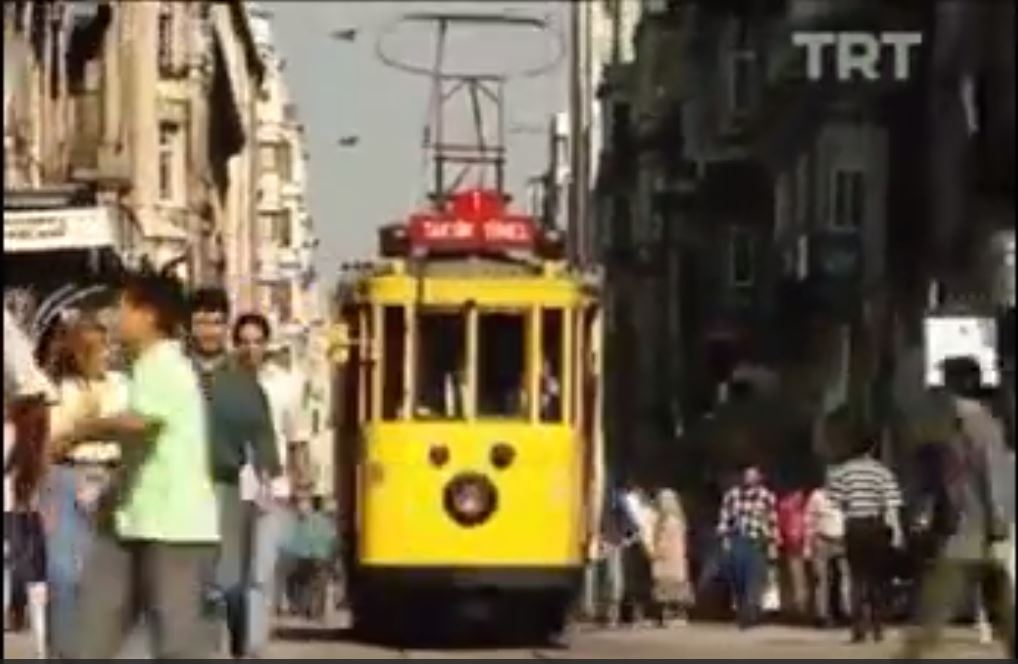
(588, 392)
(349, 397)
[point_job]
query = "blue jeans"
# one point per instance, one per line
(231, 565)
(748, 570)
(69, 539)
(266, 537)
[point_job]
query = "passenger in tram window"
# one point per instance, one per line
(551, 393)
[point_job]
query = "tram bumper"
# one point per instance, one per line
(472, 579)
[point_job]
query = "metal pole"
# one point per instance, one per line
(575, 131)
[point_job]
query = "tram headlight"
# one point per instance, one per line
(502, 456)
(470, 499)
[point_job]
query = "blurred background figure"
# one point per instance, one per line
(792, 528)
(825, 554)
(309, 549)
(670, 566)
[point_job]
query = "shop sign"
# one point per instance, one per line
(59, 230)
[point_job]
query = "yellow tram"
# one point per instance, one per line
(469, 442)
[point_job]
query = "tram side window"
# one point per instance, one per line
(393, 354)
(502, 365)
(551, 365)
(441, 365)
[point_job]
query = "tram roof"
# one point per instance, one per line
(484, 281)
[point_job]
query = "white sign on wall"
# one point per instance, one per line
(62, 229)
(961, 336)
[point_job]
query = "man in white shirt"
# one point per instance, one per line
(251, 338)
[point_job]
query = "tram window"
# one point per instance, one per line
(393, 354)
(502, 384)
(551, 365)
(441, 365)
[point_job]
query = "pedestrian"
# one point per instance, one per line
(825, 553)
(244, 453)
(968, 519)
(670, 567)
(867, 492)
(76, 480)
(792, 529)
(165, 519)
(27, 391)
(748, 529)
(310, 547)
(638, 598)
(251, 336)
(30, 424)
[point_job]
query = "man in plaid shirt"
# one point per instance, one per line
(748, 529)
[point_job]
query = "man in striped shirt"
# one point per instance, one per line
(868, 495)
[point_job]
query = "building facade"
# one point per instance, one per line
(756, 219)
(288, 286)
(143, 109)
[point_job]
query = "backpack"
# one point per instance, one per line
(792, 522)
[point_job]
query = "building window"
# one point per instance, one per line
(284, 161)
(802, 198)
(169, 162)
(742, 70)
(267, 156)
(281, 228)
(742, 259)
(165, 37)
(281, 301)
(849, 199)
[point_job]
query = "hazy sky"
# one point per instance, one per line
(342, 89)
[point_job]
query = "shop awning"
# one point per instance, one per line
(31, 231)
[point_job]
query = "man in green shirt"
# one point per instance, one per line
(243, 439)
(166, 520)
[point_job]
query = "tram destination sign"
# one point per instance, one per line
(452, 233)
(473, 221)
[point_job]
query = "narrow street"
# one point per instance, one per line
(701, 641)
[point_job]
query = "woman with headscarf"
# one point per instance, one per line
(670, 565)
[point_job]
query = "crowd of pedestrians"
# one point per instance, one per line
(849, 544)
(158, 497)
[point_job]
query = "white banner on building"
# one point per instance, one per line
(961, 336)
(62, 229)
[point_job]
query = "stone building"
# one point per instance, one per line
(288, 285)
(143, 110)
(757, 219)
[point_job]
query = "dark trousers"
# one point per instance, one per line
(868, 548)
(748, 571)
(161, 580)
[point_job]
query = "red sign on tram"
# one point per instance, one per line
(473, 220)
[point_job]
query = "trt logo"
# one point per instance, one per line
(858, 52)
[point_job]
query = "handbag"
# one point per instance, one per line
(771, 600)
